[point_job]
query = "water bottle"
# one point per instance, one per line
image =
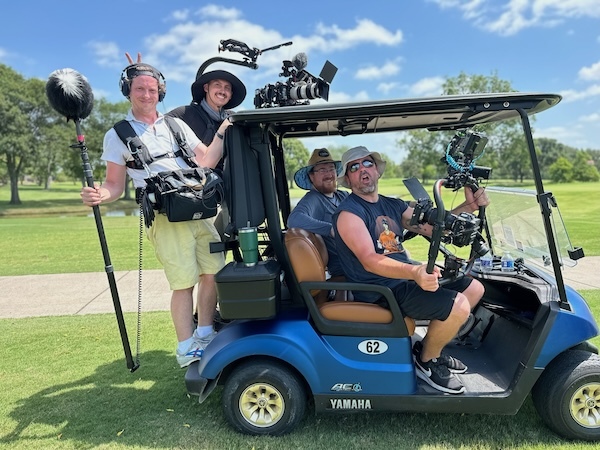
(486, 262)
(508, 262)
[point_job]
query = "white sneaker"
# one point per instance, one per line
(195, 351)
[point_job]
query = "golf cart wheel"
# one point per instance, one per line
(567, 395)
(263, 397)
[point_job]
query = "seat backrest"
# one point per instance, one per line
(308, 257)
(308, 254)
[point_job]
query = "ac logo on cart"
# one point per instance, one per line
(373, 347)
(346, 387)
(350, 403)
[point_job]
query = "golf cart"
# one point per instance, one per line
(296, 338)
(290, 345)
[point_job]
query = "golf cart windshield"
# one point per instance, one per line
(516, 226)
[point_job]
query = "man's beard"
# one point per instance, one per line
(366, 190)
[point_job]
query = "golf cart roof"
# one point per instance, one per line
(433, 113)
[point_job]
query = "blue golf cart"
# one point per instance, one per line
(295, 341)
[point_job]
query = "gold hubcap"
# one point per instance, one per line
(261, 405)
(585, 405)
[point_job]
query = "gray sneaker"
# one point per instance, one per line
(454, 365)
(195, 351)
(437, 375)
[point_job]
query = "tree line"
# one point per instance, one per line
(34, 141)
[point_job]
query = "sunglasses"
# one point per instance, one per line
(365, 162)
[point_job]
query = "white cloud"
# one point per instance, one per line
(342, 97)
(573, 135)
(590, 118)
(365, 31)
(591, 73)
(572, 95)
(386, 88)
(180, 14)
(375, 72)
(213, 11)
(427, 87)
(108, 54)
(516, 15)
(188, 43)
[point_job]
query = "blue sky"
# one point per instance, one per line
(383, 49)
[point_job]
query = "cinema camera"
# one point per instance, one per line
(299, 88)
(462, 229)
(460, 158)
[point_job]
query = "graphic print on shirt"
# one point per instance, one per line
(389, 235)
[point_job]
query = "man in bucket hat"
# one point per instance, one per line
(313, 212)
(214, 94)
(359, 224)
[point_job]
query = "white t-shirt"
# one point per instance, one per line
(157, 138)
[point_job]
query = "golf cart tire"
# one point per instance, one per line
(262, 397)
(567, 395)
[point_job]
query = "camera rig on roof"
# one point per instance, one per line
(300, 87)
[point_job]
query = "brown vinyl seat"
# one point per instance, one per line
(308, 257)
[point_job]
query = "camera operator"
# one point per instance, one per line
(358, 226)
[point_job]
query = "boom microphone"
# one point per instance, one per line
(70, 94)
(300, 61)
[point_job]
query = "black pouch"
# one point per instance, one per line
(187, 194)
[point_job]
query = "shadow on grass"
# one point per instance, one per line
(147, 408)
(150, 409)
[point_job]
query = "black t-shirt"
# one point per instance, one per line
(383, 219)
(200, 123)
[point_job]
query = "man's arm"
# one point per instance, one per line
(304, 216)
(473, 200)
(355, 235)
(110, 190)
(211, 155)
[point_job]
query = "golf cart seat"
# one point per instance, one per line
(308, 257)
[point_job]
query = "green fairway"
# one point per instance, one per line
(52, 232)
(65, 385)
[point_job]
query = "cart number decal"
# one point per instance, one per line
(373, 347)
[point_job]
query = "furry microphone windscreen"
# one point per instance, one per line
(70, 94)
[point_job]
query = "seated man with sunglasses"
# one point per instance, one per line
(366, 219)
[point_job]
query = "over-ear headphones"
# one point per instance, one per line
(134, 70)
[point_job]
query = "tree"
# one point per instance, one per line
(584, 169)
(549, 150)
(296, 156)
(561, 171)
(23, 118)
(423, 149)
(337, 151)
(501, 153)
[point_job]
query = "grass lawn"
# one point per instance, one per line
(65, 386)
(52, 232)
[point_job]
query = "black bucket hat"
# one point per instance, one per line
(238, 89)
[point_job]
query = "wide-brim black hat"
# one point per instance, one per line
(237, 87)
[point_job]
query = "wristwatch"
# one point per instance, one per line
(219, 135)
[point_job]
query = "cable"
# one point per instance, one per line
(139, 307)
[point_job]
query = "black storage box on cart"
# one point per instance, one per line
(249, 292)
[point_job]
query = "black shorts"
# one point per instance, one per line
(424, 305)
